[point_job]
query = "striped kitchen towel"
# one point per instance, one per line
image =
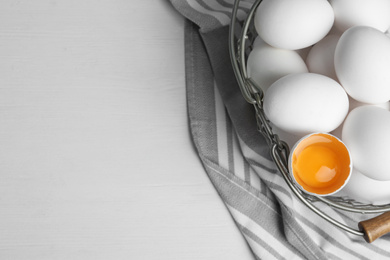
(273, 221)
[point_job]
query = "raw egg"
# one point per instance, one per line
(304, 103)
(320, 164)
(366, 133)
(293, 24)
(362, 64)
(266, 64)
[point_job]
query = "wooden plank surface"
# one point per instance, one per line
(96, 160)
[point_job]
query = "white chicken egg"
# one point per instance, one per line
(267, 64)
(362, 64)
(364, 189)
(304, 103)
(373, 13)
(366, 133)
(321, 56)
(293, 24)
(352, 105)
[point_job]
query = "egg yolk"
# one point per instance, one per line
(321, 164)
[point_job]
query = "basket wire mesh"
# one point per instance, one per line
(241, 37)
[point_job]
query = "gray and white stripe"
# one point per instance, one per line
(210, 15)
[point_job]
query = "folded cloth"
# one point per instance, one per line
(236, 157)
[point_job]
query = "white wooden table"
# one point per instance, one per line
(96, 160)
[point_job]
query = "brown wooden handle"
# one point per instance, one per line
(375, 227)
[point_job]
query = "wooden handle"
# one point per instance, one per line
(375, 227)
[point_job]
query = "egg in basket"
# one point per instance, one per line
(318, 76)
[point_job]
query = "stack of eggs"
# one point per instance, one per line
(324, 66)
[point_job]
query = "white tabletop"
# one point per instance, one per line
(96, 160)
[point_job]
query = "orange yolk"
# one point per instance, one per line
(321, 164)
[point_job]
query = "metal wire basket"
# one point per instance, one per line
(241, 38)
